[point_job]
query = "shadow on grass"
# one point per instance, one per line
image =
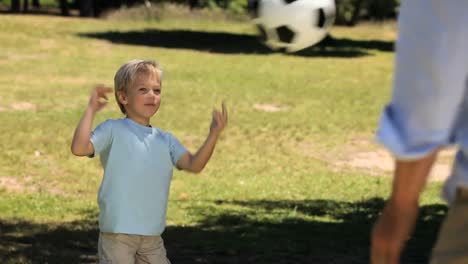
(316, 231)
(230, 43)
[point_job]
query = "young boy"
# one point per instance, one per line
(137, 160)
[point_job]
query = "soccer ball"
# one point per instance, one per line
(292, 25)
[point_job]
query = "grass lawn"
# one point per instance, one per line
(274, 191)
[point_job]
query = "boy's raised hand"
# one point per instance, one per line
(98, 97)
(220, 120)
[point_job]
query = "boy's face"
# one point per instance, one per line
(142, 98)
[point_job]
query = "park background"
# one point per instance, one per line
(296, 176)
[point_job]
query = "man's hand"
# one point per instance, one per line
(219, 121)
(98, 97)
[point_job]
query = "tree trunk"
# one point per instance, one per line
(193, 4)
(86, 8)
(25, 6)
(36, 4)
(356, 12)
(64, 8)
(15, 6)
(130, 3)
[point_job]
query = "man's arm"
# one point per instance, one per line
(81, 143)
(196, 163)
(396, 223)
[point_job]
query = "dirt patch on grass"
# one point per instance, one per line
(378, 162)
(48, 43)
(364, 155)
(27, 185)
(71, 80)
(22, 106)
(269, 107)
(12, 184)
(18, 56)
(18, 106)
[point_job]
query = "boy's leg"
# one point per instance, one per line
(452, 244)
(117, 248)
(152, 251)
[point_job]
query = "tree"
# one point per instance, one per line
(64, 8)
(87, 8)
(25, 6)
(15, 6)
(193, 4)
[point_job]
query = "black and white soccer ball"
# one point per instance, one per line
(292, 25)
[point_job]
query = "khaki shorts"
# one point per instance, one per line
(452, 244)
(131, 249)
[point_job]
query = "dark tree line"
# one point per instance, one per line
(349, 12)
(18, 6)
(87, 8)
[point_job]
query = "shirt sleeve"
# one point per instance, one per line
(176, 149)
(406, 141)
(101, 137)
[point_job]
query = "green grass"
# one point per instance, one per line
(270, 194)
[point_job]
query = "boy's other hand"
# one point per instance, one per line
(220, 120)
(98, 97)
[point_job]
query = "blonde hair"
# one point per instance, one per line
(127, 73)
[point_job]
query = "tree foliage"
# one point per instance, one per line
(349, 12)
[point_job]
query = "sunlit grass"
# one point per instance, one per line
(269, 168)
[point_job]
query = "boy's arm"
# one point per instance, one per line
(196, 163)
(81, 143)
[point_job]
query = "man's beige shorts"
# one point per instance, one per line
(131, 249)
(452, 244)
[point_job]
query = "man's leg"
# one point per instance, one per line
(399, 215)
(452, 243)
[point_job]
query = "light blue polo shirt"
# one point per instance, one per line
(429, 105)
(138, 162)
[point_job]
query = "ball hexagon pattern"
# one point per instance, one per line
(292, 25)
